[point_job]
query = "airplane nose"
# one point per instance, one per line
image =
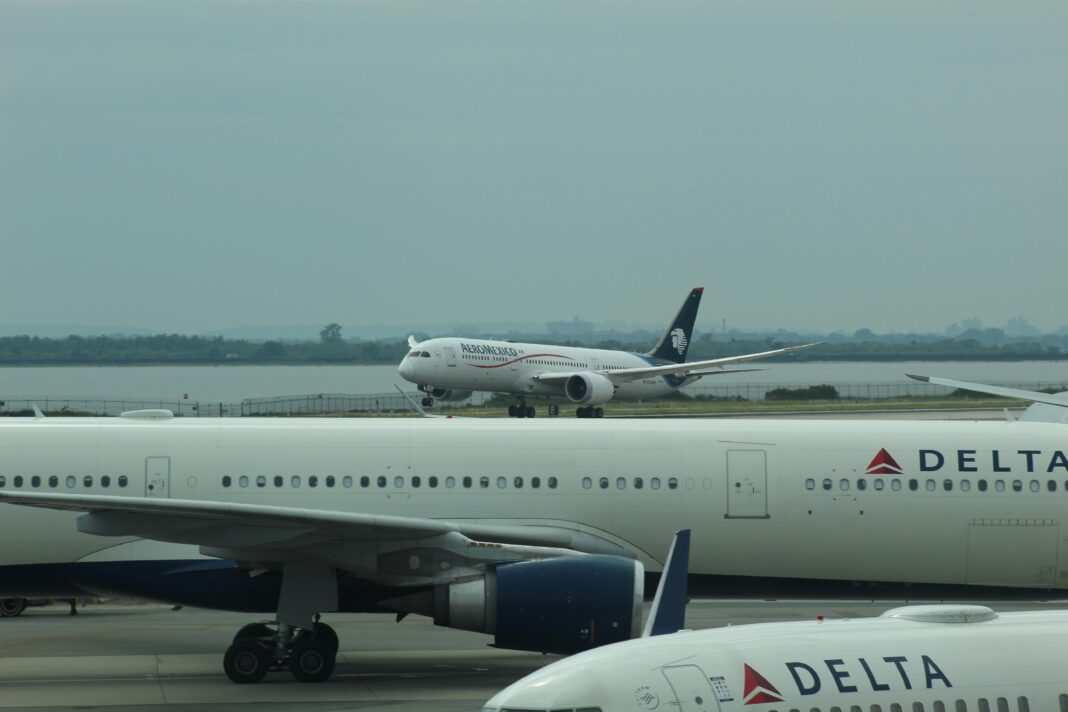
(407, 370)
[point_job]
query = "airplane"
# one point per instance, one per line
(909, 659)
(536, 533)
(452, 368)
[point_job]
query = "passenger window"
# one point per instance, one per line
(552, 483)
(1035, 486)
(72, 481)
(1017, 486)
(1000, 485)
(18, 480)
(294, 481)
(502, 482)
(947, 485)
(450, 481)
(914, 485)
(467, 482)
(984, 706)
(105, 481)
(827, 483)
(330, 481)
(1022, 705)
(895, 485)
(673, 483)
(483, 482)
(638, 484)
(621, 483)
(1052, 485)
(895, 707)
(982, 485)
(35, 481)
(880, 484)
(433, 482)
(1063, 701)
(346, 481)
(261, 481)
(416, 481)
(279, 481)
(931, 486)
(53, 481)
(855, 708)
(965, 485)
(3, 481)
(87, 481)
(398, 482)
(939, 707)
(243, 480)
(655, 483)
(517, 483)
(535, 482)
(1003, 705)
(843, 485)
(381, 480)
(917, 707)
(862, 484)
(810, 484)
(603, 482)
(876, 708)
(960, 706)
(365, 481)
(123, 481)
(226, 481)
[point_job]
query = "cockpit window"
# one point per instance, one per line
(415, 354)
(425, 354)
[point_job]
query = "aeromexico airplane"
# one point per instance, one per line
(453, 368)
(914, 658)
(537, 533)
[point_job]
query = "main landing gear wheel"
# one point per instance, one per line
(589, 412)
(427, 402)
(521, 410)
(247, 661)
(312, 658)
(11, 607)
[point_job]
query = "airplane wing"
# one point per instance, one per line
(682, 370)
(1034, 396)
(364, 544)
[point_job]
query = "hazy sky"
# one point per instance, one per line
(191, 166)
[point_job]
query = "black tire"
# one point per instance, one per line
(326, 633)
(427, 402)
(11, 607)
(580, 412)
(246, 661)
(511, 411)
(531, 412)
(253, 630)
(312, 659)
(598, 412)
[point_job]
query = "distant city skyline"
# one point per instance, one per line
(199, 166)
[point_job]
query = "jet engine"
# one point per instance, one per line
(562, 605)
(592, 388)
(446, 394)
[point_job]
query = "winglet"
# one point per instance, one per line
(668, 613)
(37, 414)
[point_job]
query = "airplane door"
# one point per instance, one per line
(157, 476)
(747, 484)
(450, 356)
(693, 691)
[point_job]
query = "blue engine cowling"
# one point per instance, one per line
(563, 605)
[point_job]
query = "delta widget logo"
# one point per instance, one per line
(883, 464)
(758, 690)
(679, 340)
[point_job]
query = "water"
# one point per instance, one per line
(232, 384)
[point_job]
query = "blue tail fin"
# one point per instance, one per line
(668, 613)
(675, 342)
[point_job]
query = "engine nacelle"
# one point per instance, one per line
(447, 394)
(592, 388)
(562, 605)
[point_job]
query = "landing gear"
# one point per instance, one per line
(310, 655)
(521, 410)
(11, 607)
(427, 402)
(589, 412)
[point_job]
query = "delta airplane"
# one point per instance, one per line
(940, 657)
(536, 533)
(452, 368)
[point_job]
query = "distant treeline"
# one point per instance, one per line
(178, 349)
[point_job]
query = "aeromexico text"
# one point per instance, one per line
(490, 350)
(999, 461)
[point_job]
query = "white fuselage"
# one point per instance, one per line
(507, 367)
(974, 503)
(1016, 661)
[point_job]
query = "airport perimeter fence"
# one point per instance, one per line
(395, 403)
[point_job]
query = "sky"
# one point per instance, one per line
(194, 166)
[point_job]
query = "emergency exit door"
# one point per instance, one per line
(692, 689)
(747, 484)
(157, 476)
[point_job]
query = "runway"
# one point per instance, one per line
(131, 656)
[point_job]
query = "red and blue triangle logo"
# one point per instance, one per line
(883, 464)
(758, 690)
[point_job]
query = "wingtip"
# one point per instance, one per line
(925, 379)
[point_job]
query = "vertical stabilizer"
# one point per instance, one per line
(675, 342)
(668, 613)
